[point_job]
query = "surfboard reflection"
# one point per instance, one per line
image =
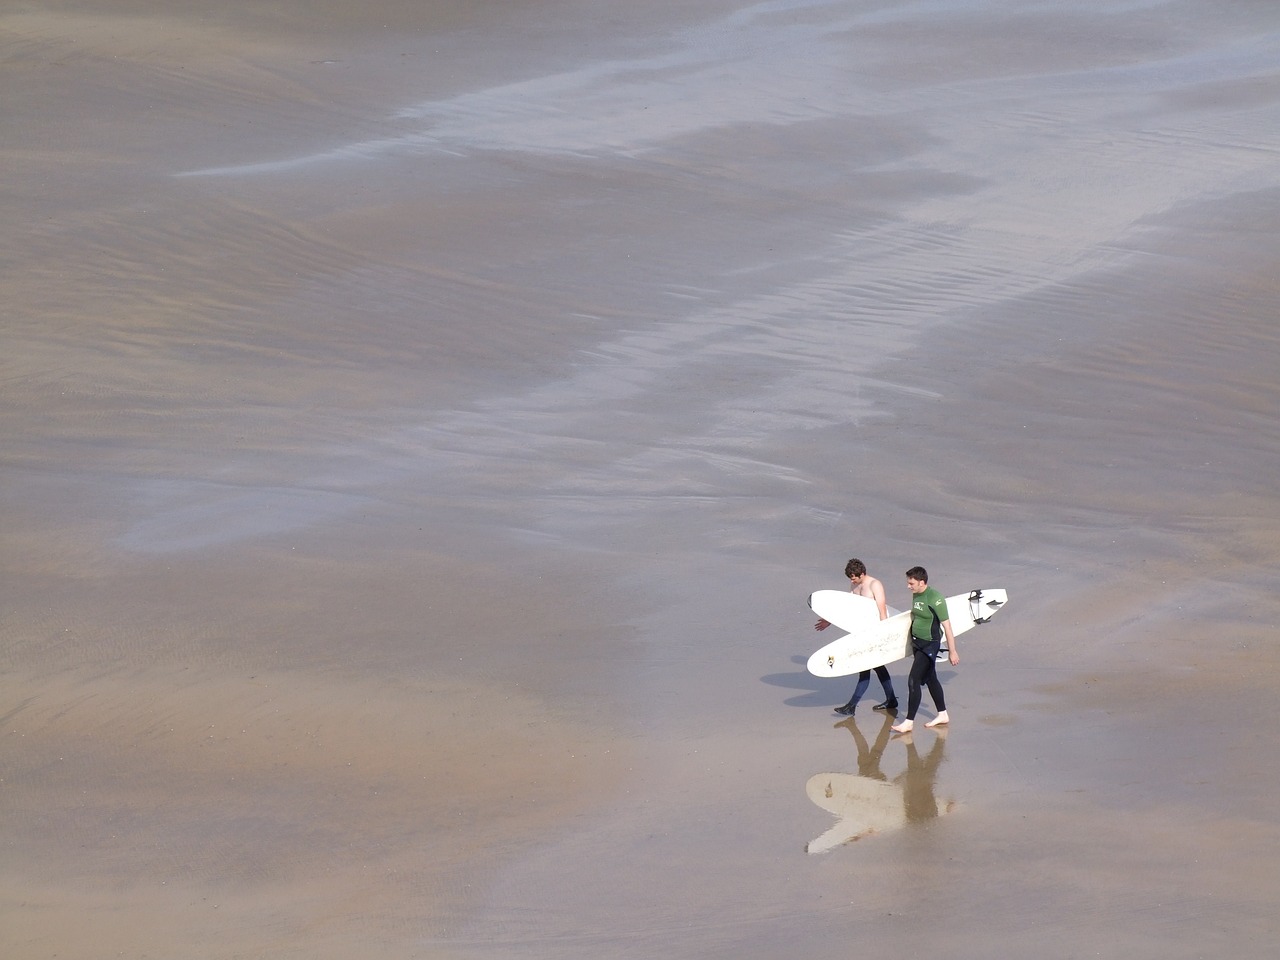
(868, 802)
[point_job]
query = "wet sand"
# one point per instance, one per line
(422, 430)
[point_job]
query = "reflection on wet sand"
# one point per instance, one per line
(868, 802)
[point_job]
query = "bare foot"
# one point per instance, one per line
(939, 720)
(903, 727)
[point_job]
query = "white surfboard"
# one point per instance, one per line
(883, 641)
(843, 609)
(848, 611)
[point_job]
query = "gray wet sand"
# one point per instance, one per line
(422, 429)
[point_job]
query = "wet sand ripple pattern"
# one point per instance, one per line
(422, 428)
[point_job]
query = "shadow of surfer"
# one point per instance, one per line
(868, 802)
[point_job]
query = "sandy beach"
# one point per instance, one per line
(424, 423)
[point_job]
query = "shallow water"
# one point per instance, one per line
(423, 434)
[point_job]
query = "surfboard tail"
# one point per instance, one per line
(983, 604)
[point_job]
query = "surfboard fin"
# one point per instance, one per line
(975, 606)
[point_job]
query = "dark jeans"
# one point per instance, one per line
(864, 681)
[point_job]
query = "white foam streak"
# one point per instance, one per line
(748, 68)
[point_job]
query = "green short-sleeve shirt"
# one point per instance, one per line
(928, 610)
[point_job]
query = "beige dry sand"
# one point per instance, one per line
(423, 422)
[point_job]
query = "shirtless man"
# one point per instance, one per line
(865, 585)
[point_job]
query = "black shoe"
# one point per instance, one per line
(891, 704)
(847, 709)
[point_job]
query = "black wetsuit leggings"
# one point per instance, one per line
(923, 671)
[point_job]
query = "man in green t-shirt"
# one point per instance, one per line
(930, 622)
